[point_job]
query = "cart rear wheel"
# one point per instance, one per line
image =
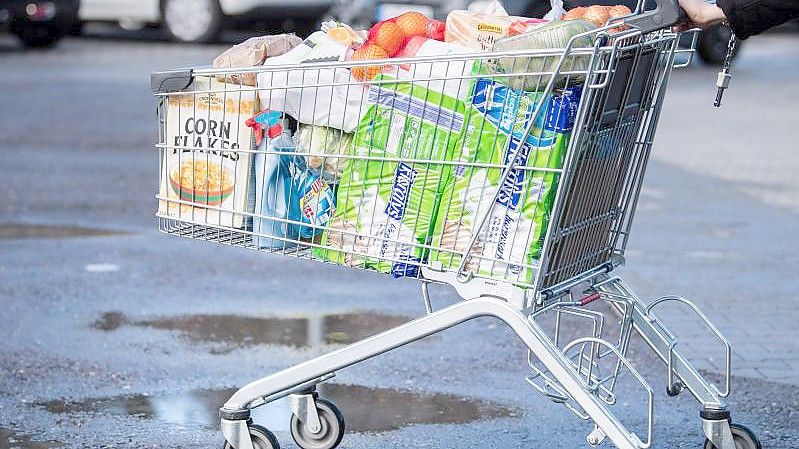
(261, 438)
(743, 437)
(329, 435)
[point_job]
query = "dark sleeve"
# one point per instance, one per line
(750, 17)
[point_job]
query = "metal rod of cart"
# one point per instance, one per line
(511, 176)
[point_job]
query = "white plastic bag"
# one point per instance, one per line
(336, 102)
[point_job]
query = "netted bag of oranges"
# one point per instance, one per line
(387, 38)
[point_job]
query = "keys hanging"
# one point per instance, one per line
(723, 79)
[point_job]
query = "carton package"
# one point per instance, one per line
(203, 164)
(509, 244)
(388, 195)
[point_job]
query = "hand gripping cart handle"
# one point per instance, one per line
(511, 176)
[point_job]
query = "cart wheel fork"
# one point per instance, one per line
(236, 430)
(303, 405)
(716, 426)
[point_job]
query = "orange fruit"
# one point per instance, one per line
(389, 36)
(413, 23)
(366, 52)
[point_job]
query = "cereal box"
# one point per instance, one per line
(204, 175)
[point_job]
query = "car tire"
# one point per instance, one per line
(192, 21)
(39, 36)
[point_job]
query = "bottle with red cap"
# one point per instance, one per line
(274, 167)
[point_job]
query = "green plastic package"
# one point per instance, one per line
(389, 191)
(509, 245)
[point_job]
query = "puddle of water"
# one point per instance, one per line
(234, 331)
(21, 231)
(365, 409)
(10, 439)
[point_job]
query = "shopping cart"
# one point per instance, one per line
(511, 176)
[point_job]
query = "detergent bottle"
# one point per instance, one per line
(274, 170)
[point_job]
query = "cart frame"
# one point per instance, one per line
(623, 91)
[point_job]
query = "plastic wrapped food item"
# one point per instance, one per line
(510, 243)
(476, 30)
(556, 34)
(525, 26)
(598, 14)
(386, 202)
(321, 141)
(343, 33)
(253, 52)
(388, 39)
(450, 78)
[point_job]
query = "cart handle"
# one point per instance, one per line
(665, 14)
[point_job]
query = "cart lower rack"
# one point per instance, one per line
(511, 176)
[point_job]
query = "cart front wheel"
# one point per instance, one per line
(261, 438)
(743, 437)
(330, 433)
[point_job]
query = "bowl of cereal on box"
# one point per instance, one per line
(202, 182)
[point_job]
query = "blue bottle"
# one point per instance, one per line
(273, 175)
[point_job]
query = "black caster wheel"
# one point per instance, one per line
(329, 435)
(261, 438)
(743, 437)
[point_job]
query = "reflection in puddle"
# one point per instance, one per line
(19, 231)
(235, 331)
(365, 409)
(12, 440)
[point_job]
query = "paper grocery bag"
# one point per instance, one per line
(204, 174)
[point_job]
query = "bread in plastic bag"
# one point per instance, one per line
(253, 52)
(477, 30)
(318, 141)
(555, 34)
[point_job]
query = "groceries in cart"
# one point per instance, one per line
(508, 243)
(388, 194)
(478, 30)
(205, 165)
(253, 52)
(320, 145)
(291, 201)
(388, 166)
(598, 15)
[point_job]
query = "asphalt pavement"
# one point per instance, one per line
(114, 335)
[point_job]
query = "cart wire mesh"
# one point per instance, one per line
(521, 166)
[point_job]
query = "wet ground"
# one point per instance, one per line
(385, 410)
(113, 335)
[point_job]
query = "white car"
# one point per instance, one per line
(197, 20)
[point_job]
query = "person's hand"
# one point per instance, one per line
(700, 14)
